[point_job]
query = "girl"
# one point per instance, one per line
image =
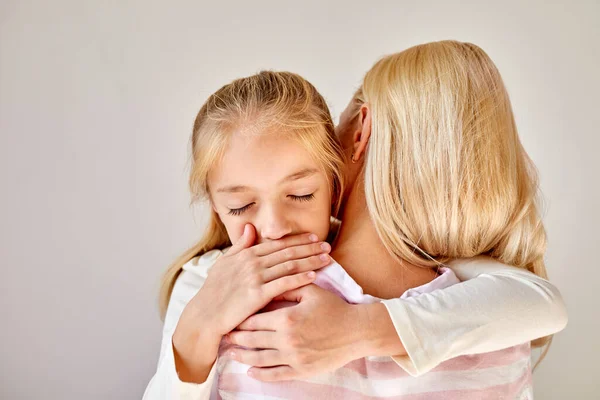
(249, 127)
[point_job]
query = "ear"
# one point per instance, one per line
(362, 136)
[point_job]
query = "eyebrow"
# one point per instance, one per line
(300, 174)
(292, 177)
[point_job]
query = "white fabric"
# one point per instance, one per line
(503, 307)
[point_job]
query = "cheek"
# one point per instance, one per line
(317, 219)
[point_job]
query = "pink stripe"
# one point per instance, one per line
(304, 390)
(507, 391)
(380, 370)
(486, 360)
(287, 389)
(383, 370)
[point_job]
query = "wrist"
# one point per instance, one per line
(195, 352)
(208, 318)
(196, 330)
(377, 332)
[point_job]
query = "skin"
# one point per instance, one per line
(286, 211)
(278, 219)
(322, 333)
(240, 283)
(268, 180)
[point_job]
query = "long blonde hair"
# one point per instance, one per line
(446, 176)
(269, 101)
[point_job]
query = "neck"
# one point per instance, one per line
(363, 255)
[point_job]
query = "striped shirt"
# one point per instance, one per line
(503, 374)
(494, 307)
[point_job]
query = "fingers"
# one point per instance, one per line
(268, 321)
(292, 295)
(272, 374)
(296, 266)
(295, 253)
(253, 340)
(257, 358)
(272, 246)
(279, 286)
(246, 240)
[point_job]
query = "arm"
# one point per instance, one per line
(496, 307)
(166, 383)
(205, 306)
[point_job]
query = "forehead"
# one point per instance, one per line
(261, 159)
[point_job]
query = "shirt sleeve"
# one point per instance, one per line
(165, 384)
(496, 307)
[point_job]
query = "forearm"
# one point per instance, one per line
(501, 307)
(195, 351)
(166, 382)
(377, 335)
(194, 358)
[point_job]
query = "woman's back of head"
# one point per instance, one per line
(445, 172)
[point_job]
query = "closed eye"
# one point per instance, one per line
(241, 210)
(307, 197)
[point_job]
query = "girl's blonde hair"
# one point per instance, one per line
(446, 176)
(267, 102)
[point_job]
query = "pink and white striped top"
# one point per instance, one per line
(503, 374)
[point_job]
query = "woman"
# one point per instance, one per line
(413, 214)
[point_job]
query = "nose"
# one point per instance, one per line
(275, 223)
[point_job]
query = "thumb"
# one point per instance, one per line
(246, 240)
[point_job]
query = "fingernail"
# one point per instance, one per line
(324, 257)
(313, 237)
(325, 246)
(232, 354)
(311, 274)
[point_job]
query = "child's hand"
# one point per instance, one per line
(246, 279)
(241, 282)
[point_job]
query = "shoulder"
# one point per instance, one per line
(469, 268)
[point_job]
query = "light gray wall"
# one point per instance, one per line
(96, 104)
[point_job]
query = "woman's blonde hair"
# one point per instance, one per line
(267, 102)
(446, 176)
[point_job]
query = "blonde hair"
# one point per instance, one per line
(269, 101)
(446, 176)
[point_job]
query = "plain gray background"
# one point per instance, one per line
(97, 101)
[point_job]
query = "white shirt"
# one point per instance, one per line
(503, 307)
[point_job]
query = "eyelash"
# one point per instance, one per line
(307, 197)
(240, 211)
